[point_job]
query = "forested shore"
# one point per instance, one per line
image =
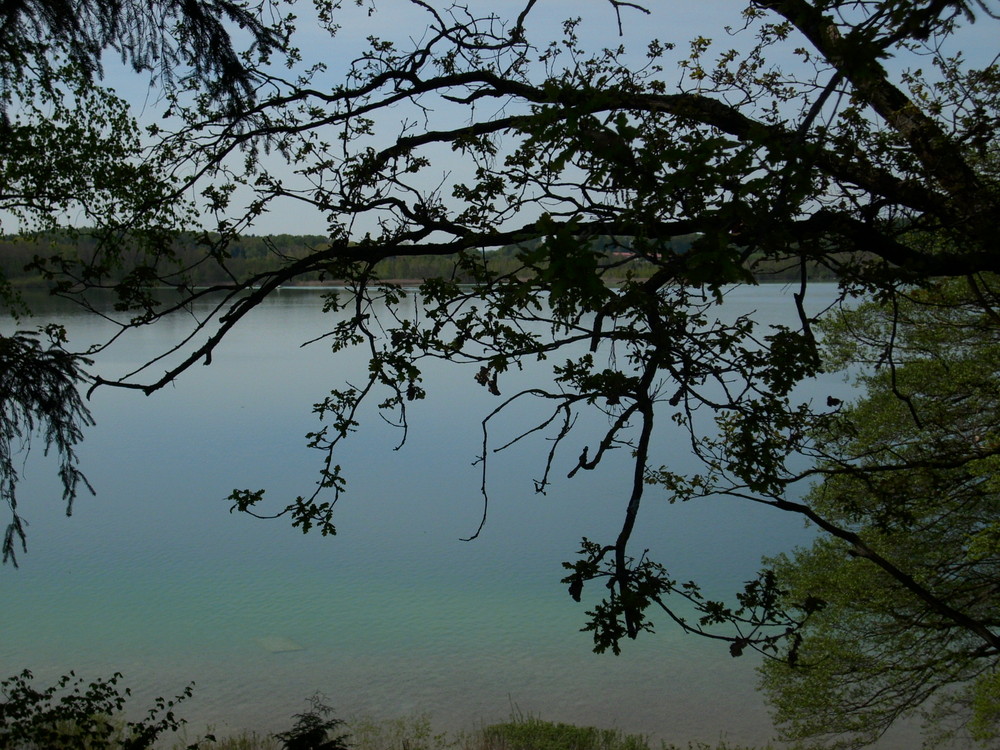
(202, 260)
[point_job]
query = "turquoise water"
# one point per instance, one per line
(395, 615)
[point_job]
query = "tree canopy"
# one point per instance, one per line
(168, 39)
(71, 145)
(856, 136)
(910, 468)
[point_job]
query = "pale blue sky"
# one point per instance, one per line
(401, 21)
(676, 21)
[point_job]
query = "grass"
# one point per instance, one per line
(531, 733)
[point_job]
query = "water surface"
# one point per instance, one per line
(394, 615)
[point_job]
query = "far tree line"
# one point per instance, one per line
(21, 259)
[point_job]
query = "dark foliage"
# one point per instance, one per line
(38, 393)
(72, 714)
(162, 37)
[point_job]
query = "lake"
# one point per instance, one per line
(395, 615)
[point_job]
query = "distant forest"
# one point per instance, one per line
(249, 255)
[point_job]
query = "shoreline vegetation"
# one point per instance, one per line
(74, 714)
(521, 732)
(245, 256)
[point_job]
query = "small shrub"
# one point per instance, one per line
(313, 728)
(240, 741)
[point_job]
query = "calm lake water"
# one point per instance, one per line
(393, 616)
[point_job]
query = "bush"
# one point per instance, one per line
(529, 733)
(69, 716)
